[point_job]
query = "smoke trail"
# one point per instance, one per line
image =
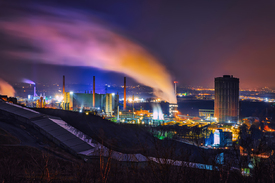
(76, 39)
(28, 81)
(6, 89)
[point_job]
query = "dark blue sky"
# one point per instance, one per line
(195, 40)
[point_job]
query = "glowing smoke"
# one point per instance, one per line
(157, 112)
(6, 89)
(28, 81)
(75, 39)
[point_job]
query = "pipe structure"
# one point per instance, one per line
(124, 104)
(34, 90)
(63, 85)
(93, 91)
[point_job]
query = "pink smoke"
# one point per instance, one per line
(6, 89)
(28, 81)
(75, 39)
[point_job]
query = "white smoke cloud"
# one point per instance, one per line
(74, 39)
(6, 89)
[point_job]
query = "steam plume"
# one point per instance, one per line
(157, 112)
(76, 39)
(6, 89)
(28, 81)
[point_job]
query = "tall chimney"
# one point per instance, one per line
(34, 90)
(124, 104)
(63, 85)
(93, 91)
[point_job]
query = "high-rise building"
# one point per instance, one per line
(226, 108)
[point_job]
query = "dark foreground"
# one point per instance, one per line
(28, 156)
(29, 164)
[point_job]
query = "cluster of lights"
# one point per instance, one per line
(59, 98)
(212, 119)
(257, 98)
(131, 100)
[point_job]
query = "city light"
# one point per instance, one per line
(59, 98)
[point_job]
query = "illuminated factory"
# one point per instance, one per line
(108, 106)
(84, 101)
(173, 107)
(106, 103)
(35, 100)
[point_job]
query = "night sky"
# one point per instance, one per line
(195, 40)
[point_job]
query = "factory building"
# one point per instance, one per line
(206, 113)
(106, 103)
(226, 107)
(84, 101)
(173, 110)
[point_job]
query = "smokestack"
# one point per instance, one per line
(34, 90)
(124, 104)
(41, 102)
(63, 85)
(93, 91)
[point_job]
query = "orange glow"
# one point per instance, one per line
(6, 89)
(204, 94)
(266, 128)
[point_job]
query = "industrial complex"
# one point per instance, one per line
(218, 127)
(210, 122)
(86, 123)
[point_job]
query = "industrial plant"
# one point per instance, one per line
(107, 105)
(110, 106)
(218, 127)
(55, 117)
